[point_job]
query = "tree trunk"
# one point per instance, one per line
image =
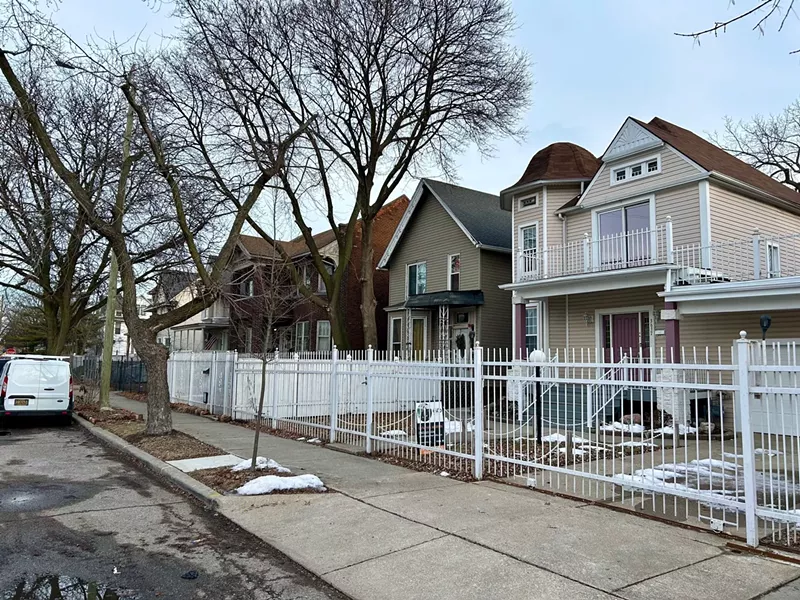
(260, 406)
(368, 302)
(154, 356)
(108, 338)
(338, 324)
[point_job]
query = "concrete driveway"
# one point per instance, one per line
(75, 516)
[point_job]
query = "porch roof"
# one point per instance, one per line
(445, 298)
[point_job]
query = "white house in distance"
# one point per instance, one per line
(122, 343)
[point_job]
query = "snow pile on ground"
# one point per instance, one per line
(575, 451)
(314, 441)
(273, 483)
(261, 463)
(623, 427)
(682, 430)
(560, 438)
(732, 455)
(394, 433)
(635, 445)
(767, 452)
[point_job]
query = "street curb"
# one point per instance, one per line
(207, 496)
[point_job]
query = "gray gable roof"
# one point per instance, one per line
(479, 213)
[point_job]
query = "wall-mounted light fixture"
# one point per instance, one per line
(588, 319)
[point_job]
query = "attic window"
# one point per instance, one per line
(635, 170)
(528, 201)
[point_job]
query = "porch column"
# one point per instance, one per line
(519, 331)
(672, 331)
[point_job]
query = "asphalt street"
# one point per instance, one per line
(75, 516)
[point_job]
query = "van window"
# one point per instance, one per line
(25, 374)
(54, 372)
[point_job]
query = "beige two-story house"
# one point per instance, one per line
(664, 242)
(446, 261)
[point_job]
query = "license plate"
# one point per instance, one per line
(21, 402)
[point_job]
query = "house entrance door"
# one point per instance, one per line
(627, 335)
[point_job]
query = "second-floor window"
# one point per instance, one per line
(648, 166)
(417, 278)
(307, 275)
(454, 272)
(322, 289)
(529, 244)
(117, 328)
(247, 288)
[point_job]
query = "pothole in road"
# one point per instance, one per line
(67, 588)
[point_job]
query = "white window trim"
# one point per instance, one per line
(613, 169)
(521, 242)
(539, 331)
(773, 271)
(408, 266)
(307, 332)
(519, 199)
(597, 211)
(450, 273)
(329, 336)
(391, 334)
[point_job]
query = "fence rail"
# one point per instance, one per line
(714, 438)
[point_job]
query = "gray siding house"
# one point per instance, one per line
(446, 260)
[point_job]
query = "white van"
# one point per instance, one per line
(36, 386)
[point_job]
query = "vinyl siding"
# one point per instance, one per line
(683, 205)
(430, 236)
(579, 223)
(674, 171)
(582, 336)
(734, 216)
(494, 317)
(558, 196)
(557, 322)
(528, 216)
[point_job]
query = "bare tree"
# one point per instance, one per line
(398, 86)
(190, 138)
(759, 14)
(771, 144)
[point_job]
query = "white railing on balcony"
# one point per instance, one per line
(626, 250)
(762, 256)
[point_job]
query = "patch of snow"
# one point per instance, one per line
(314, 441)
(623, 427)
(682, 430)
(732, 455)
(452, 427)
(261, 463)
(593, 447)
(302, 439)
(575, 451)
(560, 438)
(767, 452)
(716, 464)
(444, 474)
(273, 483)
(394, 433)
(635, 445)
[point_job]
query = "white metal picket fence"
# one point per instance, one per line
(713, 439)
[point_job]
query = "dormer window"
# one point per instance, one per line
(635, 170)
(529, 201)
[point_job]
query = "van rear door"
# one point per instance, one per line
(23, 385)
(53, 391)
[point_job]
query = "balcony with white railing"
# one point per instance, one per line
(218, 314)
(630, 249)
(760, 256)
(749, 258)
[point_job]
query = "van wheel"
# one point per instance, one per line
(65, 420)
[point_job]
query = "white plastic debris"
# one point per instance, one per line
(273, 483)
(444, 474)
(261, 463)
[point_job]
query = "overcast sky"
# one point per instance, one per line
(594, 63)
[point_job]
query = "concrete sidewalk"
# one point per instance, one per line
(390, 533)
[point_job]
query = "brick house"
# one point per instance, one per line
(301, 324)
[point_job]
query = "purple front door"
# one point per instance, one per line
(627, 335)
